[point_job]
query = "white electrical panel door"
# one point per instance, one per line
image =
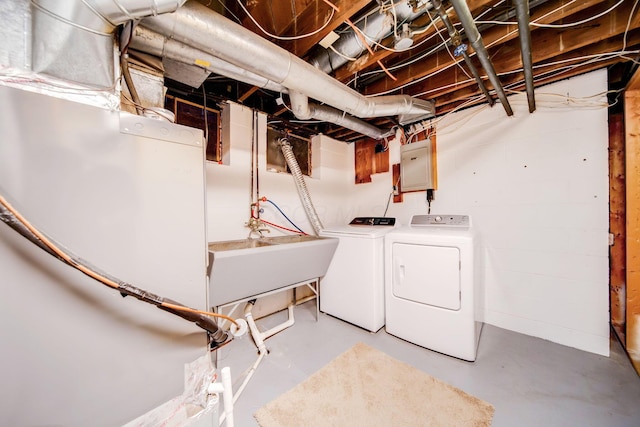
(427, 274)
(415, 166)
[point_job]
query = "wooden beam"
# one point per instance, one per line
(632, 160)
(500, 35)
(452, 83)
(454, 100)
(248, 93)
(313, 18)
(617, 226)
(345, 72)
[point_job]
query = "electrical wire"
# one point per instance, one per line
(302, 36)
(415, 59)
(626, 31)
(362, 37)
(446, 46)
(572, 24)
(125, 288)
(390, 196)
(342, 55)
(421, 79)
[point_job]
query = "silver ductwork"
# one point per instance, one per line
(153, 43)
(305, 111)
(522, 12)
(73, 40)
(375, 26)
(471, 31)
(203, 29)
(148, 41)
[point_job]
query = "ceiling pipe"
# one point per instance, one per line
(375, 26)
(304, 110)
(522, 12)
(153, 43)
(200, 27)
(470, 29)
(457, 43)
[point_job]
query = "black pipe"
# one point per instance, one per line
(455, 40)
(522, 12)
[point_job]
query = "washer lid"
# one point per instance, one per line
(357, 231)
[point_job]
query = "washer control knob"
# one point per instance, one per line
(438, 218)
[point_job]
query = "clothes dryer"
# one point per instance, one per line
(431, 290)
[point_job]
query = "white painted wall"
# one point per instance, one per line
(229, 188)
(229, 185)
(536, 187)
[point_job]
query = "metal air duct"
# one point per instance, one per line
(304, 111)
(73, 40)
(375, 26)
(464, 15)
(522, 12)
(148, 41)
(153, 43)
(200, 27)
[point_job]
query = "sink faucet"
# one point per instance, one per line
(256, 227)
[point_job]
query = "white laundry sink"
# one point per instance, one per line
(245, 268)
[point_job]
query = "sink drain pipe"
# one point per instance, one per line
(303, 191)
(258, 339)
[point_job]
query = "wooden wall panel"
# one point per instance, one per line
(368, 162)
(617, 224)
(632, 140)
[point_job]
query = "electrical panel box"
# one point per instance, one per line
(415, 166)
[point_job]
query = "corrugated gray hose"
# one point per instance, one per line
(298, 178)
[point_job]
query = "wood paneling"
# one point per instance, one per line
(368, 161)
(632, 173)
(617, 224)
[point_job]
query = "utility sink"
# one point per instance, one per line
(245, 268)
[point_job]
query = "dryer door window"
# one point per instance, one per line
(427, 274)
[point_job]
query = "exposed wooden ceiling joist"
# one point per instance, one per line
(434, 74)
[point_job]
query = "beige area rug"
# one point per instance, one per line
(365, 387)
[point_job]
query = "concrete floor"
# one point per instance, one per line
(530, 381)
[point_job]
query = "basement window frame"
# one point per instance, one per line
(213, 138)
(302, 150)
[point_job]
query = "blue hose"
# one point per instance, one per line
(286, 217)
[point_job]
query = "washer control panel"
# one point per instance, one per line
(441, 220)
(373, 220)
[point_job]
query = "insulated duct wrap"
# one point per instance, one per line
(74, 40)
(375, 26)
(149, 41)
(303, 191)
(304, 110)
(200, 27)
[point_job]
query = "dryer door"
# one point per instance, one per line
(427, 274)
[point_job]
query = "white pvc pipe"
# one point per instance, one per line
(281, 327)
(227, 395)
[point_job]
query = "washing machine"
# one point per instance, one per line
(431, 289)
(353, 288)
